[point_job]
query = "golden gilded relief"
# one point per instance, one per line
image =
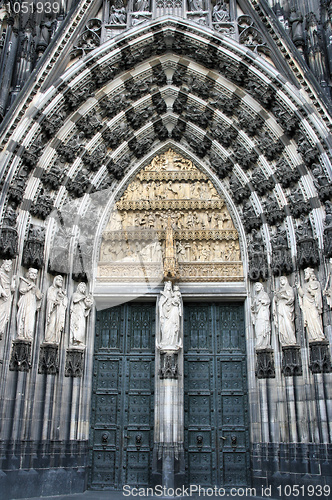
(170, 222)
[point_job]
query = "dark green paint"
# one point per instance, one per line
(216, 412)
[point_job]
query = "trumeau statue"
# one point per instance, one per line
(310, 298)
(29, 303)
(7, 287)
(328, 287)
(261, 317)
(56, 306)
(80, 309)
(170, 314)
(284, 312)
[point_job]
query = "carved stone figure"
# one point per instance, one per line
(42, 207)
(17, 188)
(284, 312)
(281, 256)
(33, 251)
(196, 5)
(7, 287)
(250, 219)
(170, 313)
(170, 261)
(29, 303)
(220, 12)
(328, 287)
(141, 5)
(56, 306)
(80, 309)
(307, 247)
(296, 20)
(328, 230)
(118, 16)
(310, 298)
(261, 317)
(8, 234)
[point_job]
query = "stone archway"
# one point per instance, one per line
(169, 223)
(265, 148)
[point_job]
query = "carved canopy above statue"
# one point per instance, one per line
(170, 204)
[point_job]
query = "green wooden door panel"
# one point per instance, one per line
(123, 403)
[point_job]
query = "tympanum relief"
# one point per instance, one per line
(170, 191)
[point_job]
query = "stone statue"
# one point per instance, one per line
(56, 306)
(7, 287)
(261, 317)
(296, 20)
(170, 313)
(310, 298)
(80, 308)
(170, 261)
(328, 287)
(284, 312)
(118, 16)
(196, 5)
(220, 12)
(141, 5)
(29, 303)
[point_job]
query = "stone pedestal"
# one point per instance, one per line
(265, 364)
(169, 448)
(20, 359)
(168, 366)
(48, 359)
(291, 361)
(74, 362)
(320, 358)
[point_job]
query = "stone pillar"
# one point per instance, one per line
(168, 453)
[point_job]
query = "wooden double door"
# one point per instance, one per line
(215, 399)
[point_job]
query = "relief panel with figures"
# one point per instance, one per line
(170, 190)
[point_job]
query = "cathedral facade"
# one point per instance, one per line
(166, 246)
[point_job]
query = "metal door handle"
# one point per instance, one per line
(223, 437)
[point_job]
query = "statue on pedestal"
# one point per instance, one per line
(28, 304)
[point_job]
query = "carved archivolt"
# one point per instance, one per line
(170, 192)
